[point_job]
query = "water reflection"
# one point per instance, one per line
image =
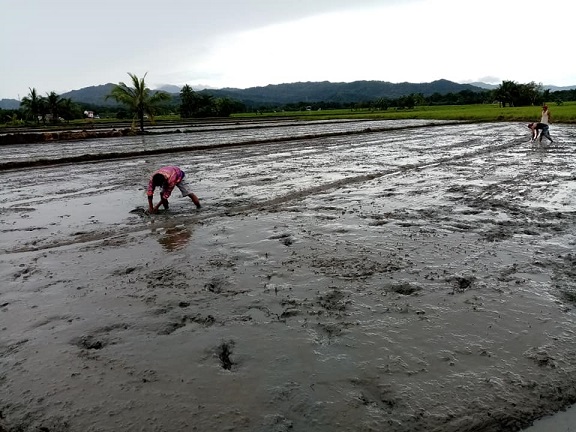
(175, 238)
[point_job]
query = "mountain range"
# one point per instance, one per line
(281, 94)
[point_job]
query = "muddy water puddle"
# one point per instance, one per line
(406, 280)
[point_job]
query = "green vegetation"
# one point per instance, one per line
(52, 109)
(509, 102)
(564, 113)
(194, 104)
(138, 99)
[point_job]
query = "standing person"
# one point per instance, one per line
(167, 178)
(546, 117)
(544, 130)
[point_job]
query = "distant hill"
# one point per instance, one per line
(95, 95)
(326, 91)
(170, 88)
(554, 88)
(545, 87)
(484, 85)
(281, 94)
(10, 104)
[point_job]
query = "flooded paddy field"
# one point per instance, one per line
(201, 136)
(397, 278)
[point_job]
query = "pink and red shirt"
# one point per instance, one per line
(173, 176)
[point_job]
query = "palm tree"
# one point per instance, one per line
(69, 110)
(32, 105)
(138, 98)
(54, 104)
(189, 104)
(506, 93)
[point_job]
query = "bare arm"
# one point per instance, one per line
(154, 208)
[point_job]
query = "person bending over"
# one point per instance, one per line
(544, 130)
(167, 178)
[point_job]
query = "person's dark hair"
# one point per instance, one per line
(158, 180)
(530, 125)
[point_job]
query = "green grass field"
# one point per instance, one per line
(565, 113)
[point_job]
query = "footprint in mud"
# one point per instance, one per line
(24, 272)
(278, 423)
(460, 283)
(216, 285)
(334, 301)
(167, 277)
(286, 238)
(496, 234)
(221, 285)
(224, 353)
(140, 211)
(331, 330)
(403, 288)
(541, 357)
(377, 394)
(124, 271)
(98, 338)
(170, 327)
(290, 312)
(89, 342)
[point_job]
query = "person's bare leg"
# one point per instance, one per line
(195, 200)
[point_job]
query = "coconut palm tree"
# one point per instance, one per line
(189, 104)
(32, 105)
(506, 93)
(54, 105)
(69, 110)
(138, 98)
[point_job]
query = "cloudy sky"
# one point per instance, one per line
(62, 45)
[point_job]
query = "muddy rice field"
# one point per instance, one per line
(394, 276)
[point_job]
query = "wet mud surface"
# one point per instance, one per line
(407, 279)
(202, 137)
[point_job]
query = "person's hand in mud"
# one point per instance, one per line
(154, 208)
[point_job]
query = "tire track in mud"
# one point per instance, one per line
(109, 234)
(13, 165)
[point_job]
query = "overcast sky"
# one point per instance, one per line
(63, 45)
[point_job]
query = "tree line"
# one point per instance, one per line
(507, 94)
(138, 102)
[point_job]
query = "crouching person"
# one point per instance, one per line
(539, 130)
(167, 178)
